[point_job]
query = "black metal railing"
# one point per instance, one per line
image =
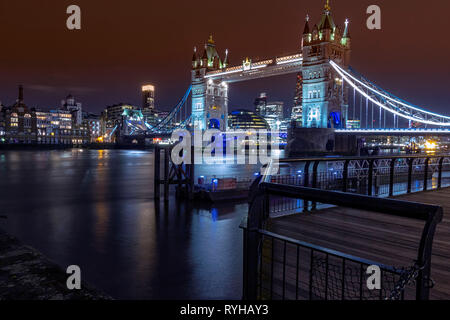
(381, 176)
(276, 267)
(296, 270)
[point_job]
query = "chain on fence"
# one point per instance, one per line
(331, 281)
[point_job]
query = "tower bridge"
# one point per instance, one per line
(333, 97)
(325, 102)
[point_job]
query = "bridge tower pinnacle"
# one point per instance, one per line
(209, 96)
(325, 99)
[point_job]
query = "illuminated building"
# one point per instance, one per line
(80, 134)
(245, 119)
(61, 126)
(148, 103)
(29, 126)
(61, 119)
(260, 104)
(156, 117)
(93, 123)
(133, 122)
(44, 126)
(148, 97)
(112, 120)
(297, 109)
(209, 97)
(325, 103)
(69, 104)
(20, 122)
(297, 116)
(113, 114)
(2, 123)
(57, 127)
(353, 124)
(272, 112)
(162, 114)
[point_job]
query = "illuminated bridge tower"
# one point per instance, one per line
(325, 102)
(209, 97)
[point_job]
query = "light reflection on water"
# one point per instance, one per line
(95, 209)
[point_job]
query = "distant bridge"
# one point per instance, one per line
(395, 132)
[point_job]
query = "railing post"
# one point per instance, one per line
(252, 241)
(391, 178)
(157, 177)
(424, 255)
(306, 181)
(345, 175)
(306, 184)
(192, 174)
(266, 207)
(370, 178)
(314, 182)
(425, 179)
(410, 169)
(441, 162)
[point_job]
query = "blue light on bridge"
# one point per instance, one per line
(406, 130)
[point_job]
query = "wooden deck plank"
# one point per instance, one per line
(370, 235)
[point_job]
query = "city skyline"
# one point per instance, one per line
(224, 151)
(102, 67)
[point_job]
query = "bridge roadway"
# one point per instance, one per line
(395, 132)
(377, 237)
(259, 69)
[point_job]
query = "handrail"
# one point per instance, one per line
(388, 206)
(330, 159)
(262, 188)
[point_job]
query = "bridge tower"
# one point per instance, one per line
(325, 100)
(209, 96)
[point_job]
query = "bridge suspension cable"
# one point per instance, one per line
(389, 102)
(175, 115)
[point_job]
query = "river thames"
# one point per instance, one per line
(95, 209)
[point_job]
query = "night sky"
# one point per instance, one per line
(124, 44)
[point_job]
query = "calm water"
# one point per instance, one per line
(95, 209)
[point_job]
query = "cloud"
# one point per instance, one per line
(82, 90)
(39, 87)
(53, 89)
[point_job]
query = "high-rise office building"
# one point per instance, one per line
(265, 108)
(272, 112)
(260, 104)
(148, 97)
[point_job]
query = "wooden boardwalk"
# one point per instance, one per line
(378, 237)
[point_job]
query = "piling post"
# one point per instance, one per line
(166, 173)
(157, 178)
